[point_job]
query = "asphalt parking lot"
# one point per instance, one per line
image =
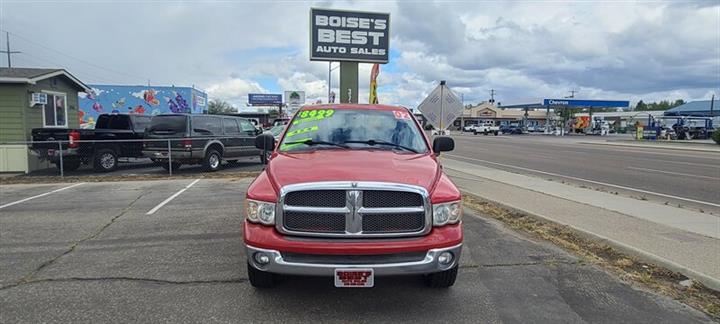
(113, 252)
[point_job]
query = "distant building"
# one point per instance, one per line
(34, 98)
(619, 120)
(142, 100)
(488, 112)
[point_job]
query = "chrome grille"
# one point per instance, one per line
(314, 222)
(353, 209)
(316, 198)
(381, 198)
(393, 223)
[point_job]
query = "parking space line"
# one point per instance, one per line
(160, 205)
(40, 195)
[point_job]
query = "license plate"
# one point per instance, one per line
(354, 278)
(51, 152)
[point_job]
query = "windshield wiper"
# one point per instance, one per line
(310, 142)
(373, 142)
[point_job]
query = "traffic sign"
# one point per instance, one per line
(441, 107)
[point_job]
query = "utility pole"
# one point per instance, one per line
(572, 94)
(8, 51)
(492, 96)
(462, 114)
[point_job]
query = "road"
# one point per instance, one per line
(683, 178)
(122, 252)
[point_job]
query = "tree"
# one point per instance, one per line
(217, 106)
(641, 106)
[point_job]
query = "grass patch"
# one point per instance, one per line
(626, 267)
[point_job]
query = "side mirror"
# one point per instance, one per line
(443, 144)
(265, 142)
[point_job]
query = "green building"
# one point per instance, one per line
(33, 98)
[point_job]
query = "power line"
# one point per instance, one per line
(144, 79)
(8, 51)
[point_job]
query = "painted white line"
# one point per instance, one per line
(590, 181)
(160, 205)
(673, 173)
(40, 195)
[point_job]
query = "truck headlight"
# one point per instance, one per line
(260, 212)
(447, 213)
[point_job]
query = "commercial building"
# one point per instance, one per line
(620, 121)
(488, 112)
(34, 98)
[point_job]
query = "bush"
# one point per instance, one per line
(716, 136)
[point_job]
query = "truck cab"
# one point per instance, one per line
(353, 192)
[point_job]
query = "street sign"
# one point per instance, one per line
(441, 107)
(355, 36)
(586, 103)
(265, 99)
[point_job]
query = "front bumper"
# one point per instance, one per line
(429, 264)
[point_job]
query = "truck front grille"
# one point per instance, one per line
(348, 209)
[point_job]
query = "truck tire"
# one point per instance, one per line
(260, 279)
(485, 133)
(69, 164)
(166, 166)
(495, 133)
(264, 157)
(442, 279)
(474, 132)
(212, 161)
(105, 160)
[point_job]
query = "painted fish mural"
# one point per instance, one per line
(141, 100)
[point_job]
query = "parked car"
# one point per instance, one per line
(200, 139)
(469, 128)
(101, 147)
(486, 128)
(336, 200)
(512, 129)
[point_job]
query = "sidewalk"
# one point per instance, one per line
(680, 240)
(698, 147)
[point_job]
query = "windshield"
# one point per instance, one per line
(352, 127)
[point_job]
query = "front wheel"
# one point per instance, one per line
(495, 133)
(261, 279)
(442, 279)
(212, 160)
(105, 160)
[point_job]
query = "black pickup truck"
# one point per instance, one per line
(101, 146)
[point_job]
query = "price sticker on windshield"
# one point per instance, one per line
(401, 114)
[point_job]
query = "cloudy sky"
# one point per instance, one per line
(525, 50)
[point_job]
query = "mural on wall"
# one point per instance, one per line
(141, 100)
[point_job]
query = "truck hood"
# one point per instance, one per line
(353, 165)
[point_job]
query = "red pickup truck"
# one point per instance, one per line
(353, 192)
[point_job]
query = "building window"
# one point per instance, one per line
(55, 111)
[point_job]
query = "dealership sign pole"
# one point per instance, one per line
(350, 37)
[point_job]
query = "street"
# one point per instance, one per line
(126, 252)
(685, 178)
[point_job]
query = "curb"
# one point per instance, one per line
(664, 147)
(708, 281)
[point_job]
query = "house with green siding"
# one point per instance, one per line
(33, 98)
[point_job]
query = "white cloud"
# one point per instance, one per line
(631, 50)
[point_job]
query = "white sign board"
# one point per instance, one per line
(441, 105)
(294, 100)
